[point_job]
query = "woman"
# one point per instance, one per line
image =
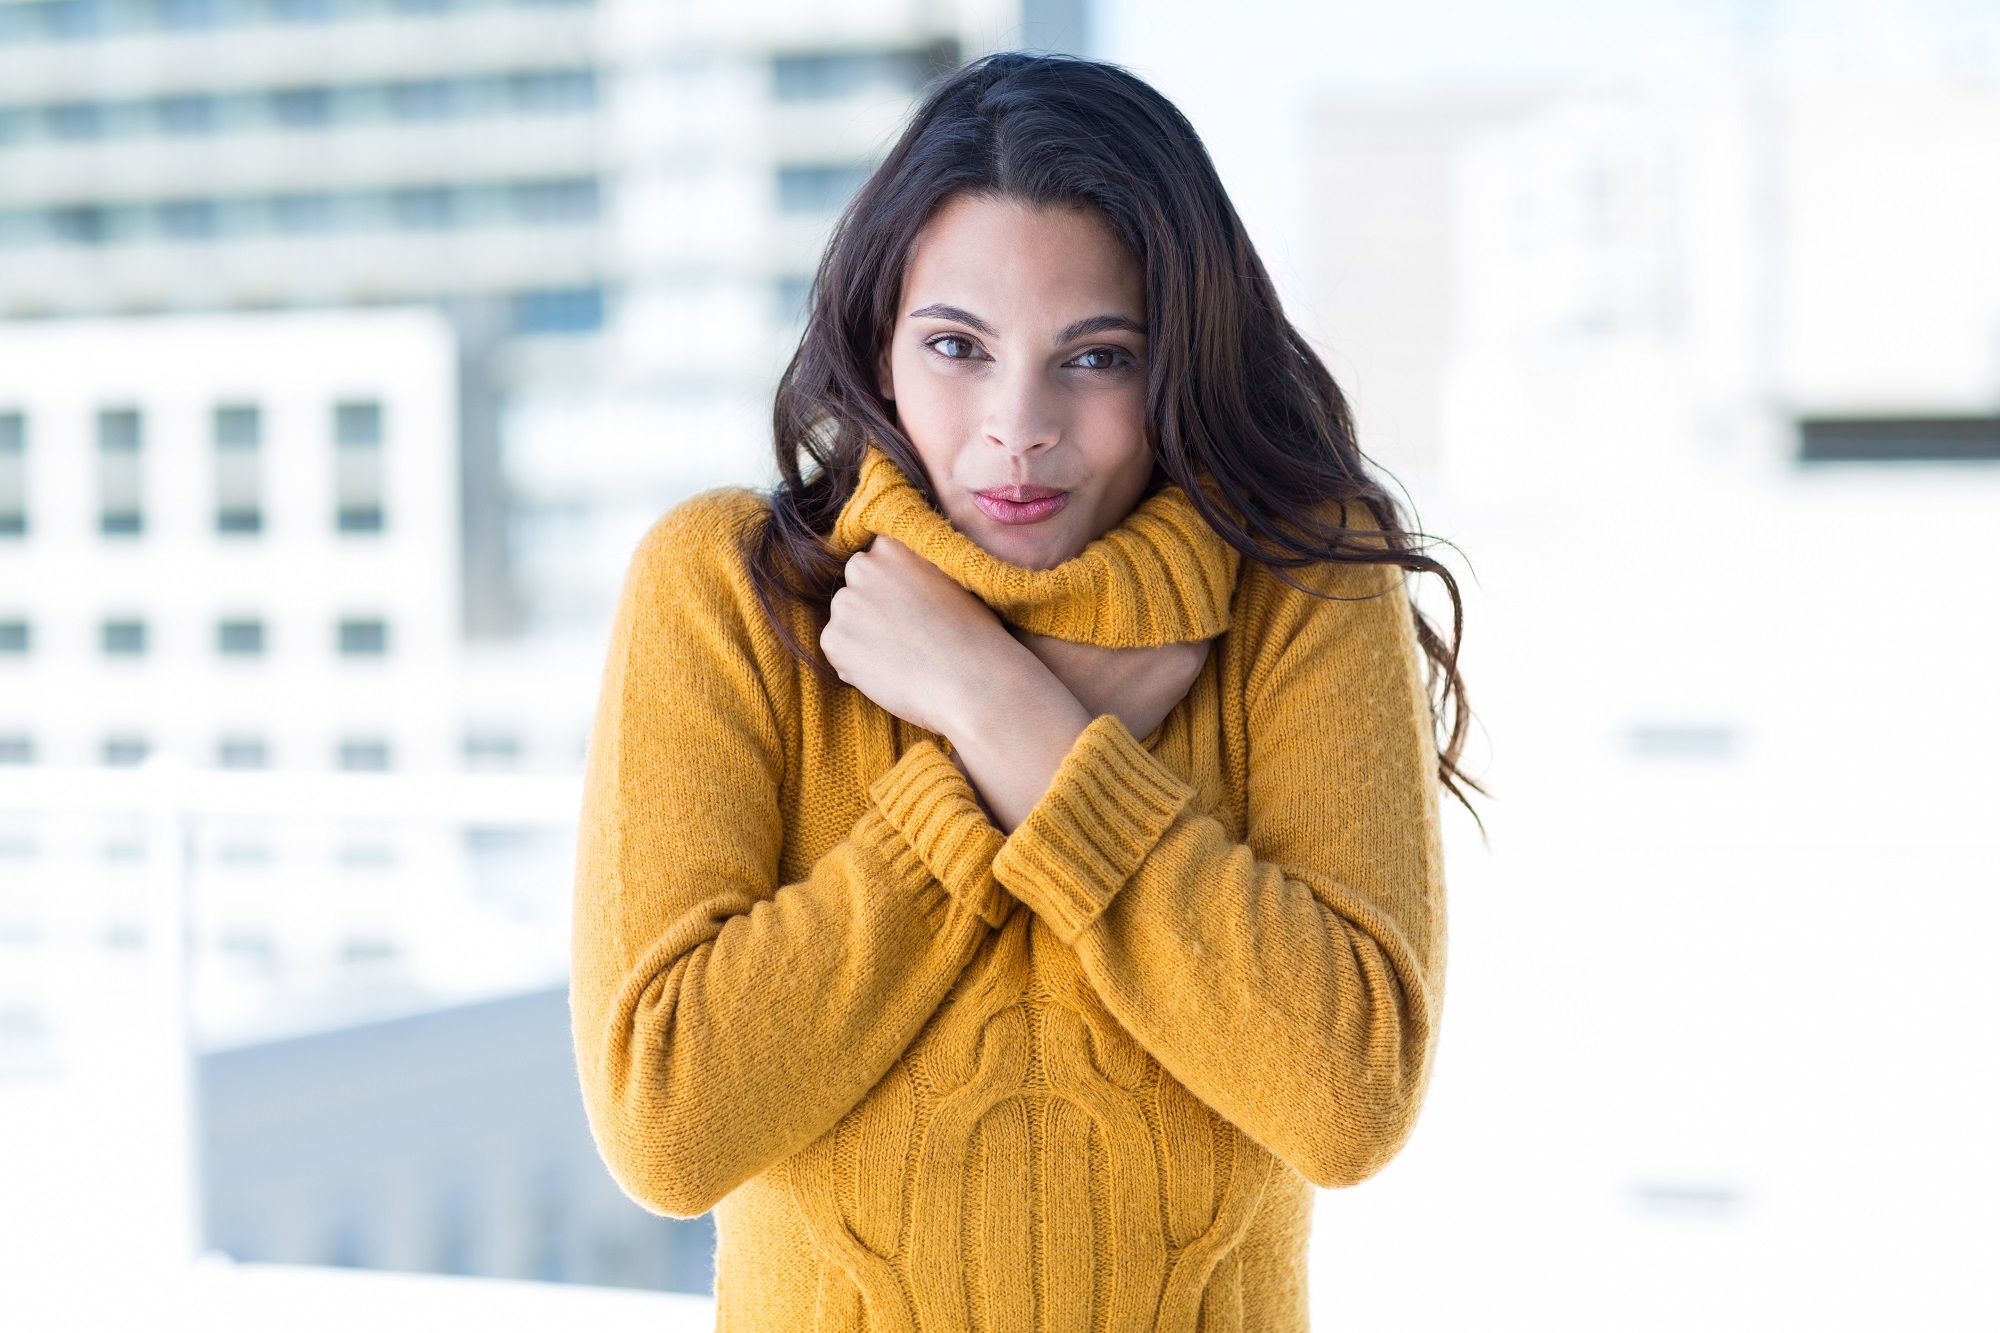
(1025, 956)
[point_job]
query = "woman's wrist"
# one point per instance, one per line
(1012, 737)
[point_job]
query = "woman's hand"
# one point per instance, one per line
(1140, 685)
(905, 634)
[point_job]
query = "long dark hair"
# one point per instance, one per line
(1234, 391)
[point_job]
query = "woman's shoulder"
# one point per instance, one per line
(703, 536)
(1265, 590)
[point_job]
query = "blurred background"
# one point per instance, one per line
(348, 346)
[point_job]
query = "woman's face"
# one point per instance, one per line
(1019, 358)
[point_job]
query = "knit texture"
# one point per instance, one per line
(933, 1077)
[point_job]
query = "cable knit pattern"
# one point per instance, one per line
(1080, 1077)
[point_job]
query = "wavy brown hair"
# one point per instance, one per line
(1234, 392)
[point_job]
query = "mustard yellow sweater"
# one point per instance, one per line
(934, 1077)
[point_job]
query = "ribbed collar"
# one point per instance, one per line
(1161, 575)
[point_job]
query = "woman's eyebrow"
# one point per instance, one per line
(1082, 327)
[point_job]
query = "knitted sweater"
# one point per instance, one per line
(934, 1077)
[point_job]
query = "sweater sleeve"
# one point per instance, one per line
(721, 1020)
(1293, 981)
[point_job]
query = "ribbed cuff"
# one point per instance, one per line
(1107, 806)
(928, 801)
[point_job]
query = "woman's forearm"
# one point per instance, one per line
(1011, 739)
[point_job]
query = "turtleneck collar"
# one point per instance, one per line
(1160, 575)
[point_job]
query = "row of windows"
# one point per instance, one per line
(356, 423)
(243, 636)
(820, 75)
(230, 520)
(84, 20)
(819, 187)
(123, 749)
(546, 310)
(480, 750)
(236, 432)
(226, 851)
(303, 108)
(560, 200)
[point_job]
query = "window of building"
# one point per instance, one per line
(815, 75)
(75, 120)
(238, 432)
(80, 224)
(302, 212)
(13, 474)
(189, 219)
(240, 637)
(74, 19)
(358, 469)
(422, 206)
(365, 856)
(491, 750)
(123, 638)
(120, 433)
(16, 638)
(244, 852)
(1899, 439)
(362, 637)
(302, 108)
(301, 11)
(363, 949)
(188, 114)
(364, 754)
(119, 429)
(357, 422)
(125, 749)
(552, 89)
(188, 14)
(422, 99)
(559, 310)
(242, 751)
(819, 187)
(18, 24)
(238, 426)
(249, 944)
(17, 747)
(555, 200)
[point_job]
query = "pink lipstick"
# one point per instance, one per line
(1020, 504)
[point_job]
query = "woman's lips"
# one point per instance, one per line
(1026, 511)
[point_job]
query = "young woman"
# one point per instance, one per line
(1009, 875)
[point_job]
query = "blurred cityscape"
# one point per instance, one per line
(347, 347)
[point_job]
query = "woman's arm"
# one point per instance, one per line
(1294, 980)
(723, 1020)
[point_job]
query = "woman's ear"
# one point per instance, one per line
(883, 380)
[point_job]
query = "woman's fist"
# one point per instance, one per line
(905, 634)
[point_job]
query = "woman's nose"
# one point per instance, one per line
(1023, 415)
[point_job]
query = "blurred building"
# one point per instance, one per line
(617, 204)
(1703, 370)
(231, 539)
(432, 1141)
(234, 537)
(1508, 269)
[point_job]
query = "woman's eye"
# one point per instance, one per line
(1110, 352)
(937, 343)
